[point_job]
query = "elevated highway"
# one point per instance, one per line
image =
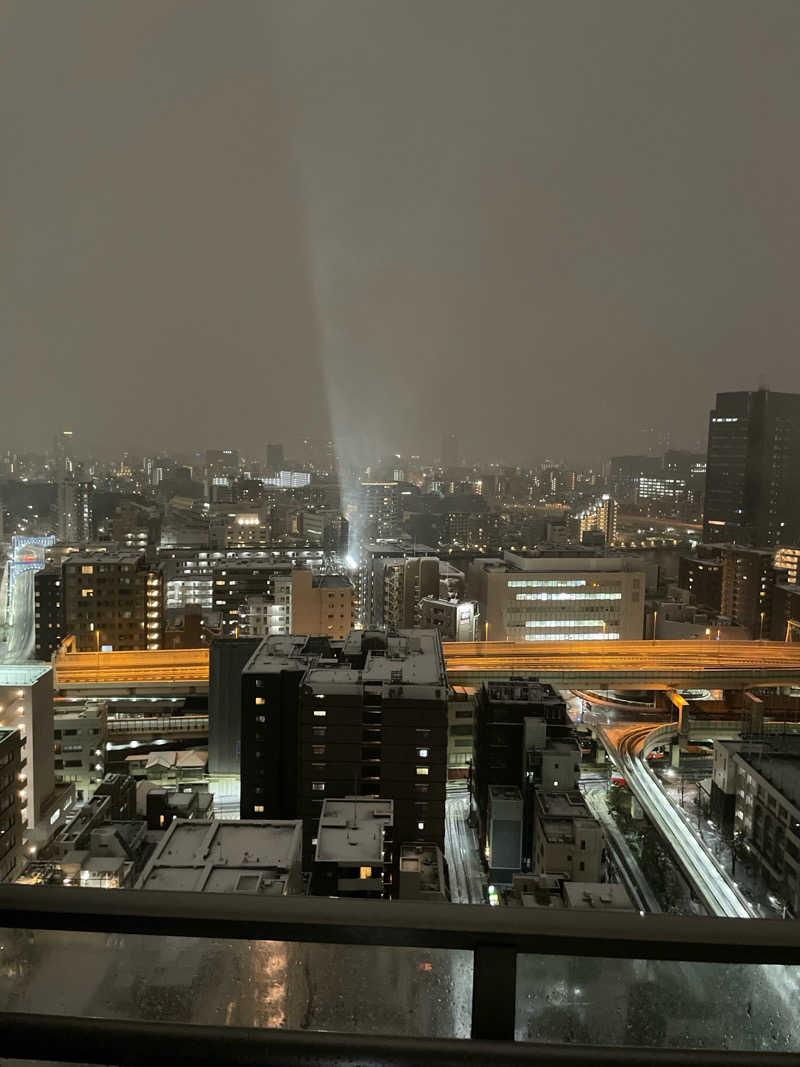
(660, 665)
(628, 745)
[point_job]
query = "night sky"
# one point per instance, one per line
(546, 227)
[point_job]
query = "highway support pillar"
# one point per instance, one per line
(681, 705)
(753, 717)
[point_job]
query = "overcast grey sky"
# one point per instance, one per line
(544, 226)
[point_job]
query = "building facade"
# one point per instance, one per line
(753, 475)
(366, 715)
(112, 601)
(529, 597)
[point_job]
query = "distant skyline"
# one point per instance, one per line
(542, 227)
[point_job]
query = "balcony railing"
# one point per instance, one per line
(128, 977)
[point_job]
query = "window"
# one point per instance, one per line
(318, 787)
(260, 700)
(420, 825)
(87, 592)
(365, 872)
(87, 568)
(261, 718)
(258, 808)
(582, 865)
(319, 713)
(423, 770)
(317, 750)
(422, 753)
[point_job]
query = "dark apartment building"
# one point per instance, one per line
(366, 716)
(753, 473)
(226, 659)
(749, 580)
(49, 611)
(701, 575)
(515, 722)
(237, 579)
(10, 811)
(112, 600)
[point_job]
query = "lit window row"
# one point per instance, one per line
(572, 623)
(572, 637)
(569, 596)
(519, 583)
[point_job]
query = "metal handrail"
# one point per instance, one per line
(496, 936)
(625, 935)
(141, 1044)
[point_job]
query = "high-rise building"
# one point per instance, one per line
(11, 782)
(49, 611)
(367, 716)
(749, 578)
(80, 746)
(74, 503)
(753, 475)
(320, 605)
(400, 585)
(601, 517)
(275, 458)
(450, 457)
(226, 660)
(379, 509)
(112, 600)
(26, 705)
(527, 596)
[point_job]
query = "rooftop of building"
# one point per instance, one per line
(566, 805)
(522, 690)
(778, 761)
(558, 562)
(398, 657)
(331, 581)
(351, 830)
(550, 891)
(252, 856)
(120, 557)
(23, 674)
(422, 862)
(505, 792)
(94, 710)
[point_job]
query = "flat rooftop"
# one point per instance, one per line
(351, 830)
(399, 657)
(23, 674)
(253, 856)
(779, 763)
(569, 805)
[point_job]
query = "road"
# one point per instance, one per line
(18, 635)
(461, 849)
(630, 664)
(709, 880)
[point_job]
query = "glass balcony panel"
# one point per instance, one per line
(346, 988)
(658, 1003)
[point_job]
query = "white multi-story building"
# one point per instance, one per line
(528, 597)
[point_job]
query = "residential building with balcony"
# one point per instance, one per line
(354, 851)
(79, 747)
(320, 717)
(112, 601)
